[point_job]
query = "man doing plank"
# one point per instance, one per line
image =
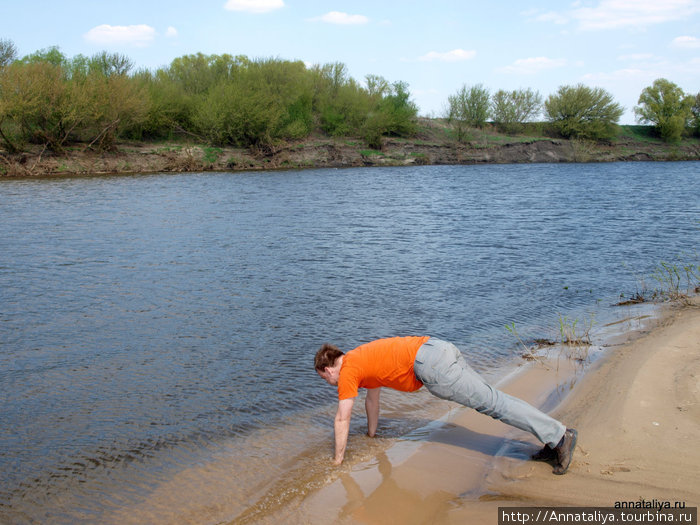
(408, 363)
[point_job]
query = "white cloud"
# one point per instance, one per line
(336, 17)
(136, 35)
(456, 55)
(551, 16)
(686, 42)
(613, 14)
(254, 6)
(171, 32)
(532, 65)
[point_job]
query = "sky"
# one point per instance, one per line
(436, 47)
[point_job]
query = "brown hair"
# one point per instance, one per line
(326, 356)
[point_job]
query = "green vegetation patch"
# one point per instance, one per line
(371, 153)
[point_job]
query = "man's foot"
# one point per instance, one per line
(565, 451)
(546, 453)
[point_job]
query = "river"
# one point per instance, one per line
(157, 331)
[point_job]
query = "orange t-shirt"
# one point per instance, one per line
(384, 362)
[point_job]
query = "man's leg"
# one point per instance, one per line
(441, 367)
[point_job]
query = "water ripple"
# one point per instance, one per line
(154, 316)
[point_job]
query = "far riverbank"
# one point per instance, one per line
(432, 145)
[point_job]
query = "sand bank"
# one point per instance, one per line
(637, 411)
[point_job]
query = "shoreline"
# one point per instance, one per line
(636, 410)
(433, 145)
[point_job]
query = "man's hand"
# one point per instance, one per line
(342, 428)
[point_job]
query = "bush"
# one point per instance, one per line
(469, 107)
(512, 109)
(695, 110)
(35, 106)
(583, 112)
(241, 114)
(400, 112)
(169, 110)
(664, 105)
(110, 105)
(340, 103)
(50, 99)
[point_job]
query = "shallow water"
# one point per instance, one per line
(156, 332)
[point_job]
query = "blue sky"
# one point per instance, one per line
(437, 46)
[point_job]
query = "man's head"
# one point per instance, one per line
(327, 363)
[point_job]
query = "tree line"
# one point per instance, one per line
(577, 111)
(50, 99)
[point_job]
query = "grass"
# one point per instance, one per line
(574, 334)
(211, 155)
(675, 281)
(529, 353)
(638, 133)
(371, 153)
(574, 340)
(167, 149)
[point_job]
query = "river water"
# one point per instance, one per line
(157, 331)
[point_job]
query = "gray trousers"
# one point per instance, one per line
(440, 366)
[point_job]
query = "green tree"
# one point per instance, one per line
(51, 99)
(696, 114)
(583, 112)
(8, 52)
(340, 103)
(400, 110)
(512, 109)
(377, 86)
(111, 105)
(192, 73)
(468, 108)
(667, 107)
(109, 64)
(51, 55)
(35, 106)
(170, 109)
(392, 114)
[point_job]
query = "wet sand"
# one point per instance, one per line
(637, 411)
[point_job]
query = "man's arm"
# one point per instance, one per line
(342, 428)
(372, 408)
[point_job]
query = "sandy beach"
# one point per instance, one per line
(637, 412)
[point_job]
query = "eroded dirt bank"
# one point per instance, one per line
(430, 147)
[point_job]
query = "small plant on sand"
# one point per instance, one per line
(574, 337)
(641, 293)
(677, 280)
(528, 352)
(572, 334)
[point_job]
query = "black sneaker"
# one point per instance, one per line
(565, 451)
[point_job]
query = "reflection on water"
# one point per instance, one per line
(148, 323)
